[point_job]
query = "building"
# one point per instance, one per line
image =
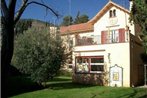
(106, 49)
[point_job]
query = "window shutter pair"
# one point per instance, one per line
(121, 36)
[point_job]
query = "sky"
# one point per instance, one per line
(67, 7)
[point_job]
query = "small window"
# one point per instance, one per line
(114, 13)
(110, 13)
(70, 66)
(97, 67)
(97, 60)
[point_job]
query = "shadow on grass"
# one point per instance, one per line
(66, 85)
(21, 84)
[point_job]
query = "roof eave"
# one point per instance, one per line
(104, 9)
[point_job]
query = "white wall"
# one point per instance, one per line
(119, 54)
(122, 20)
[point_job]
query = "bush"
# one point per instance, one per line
(65, 73)
(39, 54)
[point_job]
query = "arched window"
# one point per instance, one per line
(114, 13)
(110, 13)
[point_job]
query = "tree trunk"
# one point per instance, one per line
(7, 51)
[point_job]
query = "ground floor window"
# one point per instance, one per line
(89, 64)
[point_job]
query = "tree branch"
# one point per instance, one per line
(44, 6)
(4, 8)
(23, 7)
(20, 11)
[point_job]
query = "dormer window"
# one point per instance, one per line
(112, 13)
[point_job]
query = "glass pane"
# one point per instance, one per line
(97, 60)
(82, 64)
(97, 67)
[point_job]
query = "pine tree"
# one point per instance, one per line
(139, 16)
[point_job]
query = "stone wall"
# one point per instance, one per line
(92, 78)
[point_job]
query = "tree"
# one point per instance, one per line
(77, 20)
(22, 25)
(39, 54)
(139, 16)
(67, 20)
(81, 18)
(10, 16)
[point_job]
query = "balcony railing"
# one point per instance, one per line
(98, 39)
(88, 40)
(106, 37)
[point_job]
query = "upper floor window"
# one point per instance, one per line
(113, 36)
(112, 13)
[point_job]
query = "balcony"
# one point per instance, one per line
(88, 40)
(101, 39)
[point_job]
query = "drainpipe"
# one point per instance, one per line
(145, 74)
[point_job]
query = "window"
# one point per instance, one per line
(70, 41)
(82, 64)
(97, 64)
(112, 13)
(92, 64)
(113, 36)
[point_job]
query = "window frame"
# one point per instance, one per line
(90, 64)
(112, 13)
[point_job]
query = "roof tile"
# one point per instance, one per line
(76, 28)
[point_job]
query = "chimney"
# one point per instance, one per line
(131, 4)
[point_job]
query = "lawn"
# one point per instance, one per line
(62, 87)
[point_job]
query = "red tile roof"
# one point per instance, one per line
(86, 27)
(76, 28)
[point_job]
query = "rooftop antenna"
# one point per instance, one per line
(68, 37)
(69, 10)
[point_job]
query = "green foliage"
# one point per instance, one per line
(139, 16)
(38, 54)
(22, 25)
(81, 18)
(65, 73)
(67, 20)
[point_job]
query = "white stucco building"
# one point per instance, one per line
(106, 49)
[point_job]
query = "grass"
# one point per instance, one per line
(62, 87)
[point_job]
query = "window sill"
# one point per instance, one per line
(91, 72)
(96, 72)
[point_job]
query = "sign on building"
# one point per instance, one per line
(116, 76)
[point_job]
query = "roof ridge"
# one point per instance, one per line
(109, 4)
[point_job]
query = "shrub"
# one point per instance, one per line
(39, 54)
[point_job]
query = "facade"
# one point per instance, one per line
(106, 49)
